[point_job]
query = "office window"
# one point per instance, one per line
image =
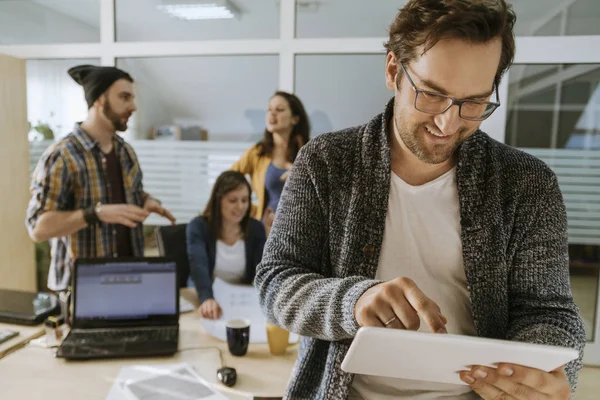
(363, 18)
(340, 91)
(54, 101)
(557, 17)
(225, 95)
(345, 18)
(554, 114)
(554, 106)
(583, 17)
(49, 21)
(165, 20)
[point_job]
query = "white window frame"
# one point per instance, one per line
(530, 50)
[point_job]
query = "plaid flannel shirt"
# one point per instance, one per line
(70, 176)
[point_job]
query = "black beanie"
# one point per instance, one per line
(96, 80)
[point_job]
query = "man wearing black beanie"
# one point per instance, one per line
(87, 194)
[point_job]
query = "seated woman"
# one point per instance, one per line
(224, 241)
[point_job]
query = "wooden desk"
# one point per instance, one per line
(33, 372)
(26, 333)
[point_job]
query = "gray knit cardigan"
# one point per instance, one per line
(323, 250)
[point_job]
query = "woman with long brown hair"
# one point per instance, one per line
(224, 241)
(268, 162)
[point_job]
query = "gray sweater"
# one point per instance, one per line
(323, 250)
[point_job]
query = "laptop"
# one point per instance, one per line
(123, 308)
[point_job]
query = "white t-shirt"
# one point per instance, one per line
(230, 261)
(422, 241)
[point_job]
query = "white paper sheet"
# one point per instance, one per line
(185, 306)
(237, 301)
(169, 381)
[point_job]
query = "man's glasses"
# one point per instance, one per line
(436, 103)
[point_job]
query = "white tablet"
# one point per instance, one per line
(433, 357)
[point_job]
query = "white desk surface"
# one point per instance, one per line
(34, 373)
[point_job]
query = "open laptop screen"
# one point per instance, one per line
(112, 290)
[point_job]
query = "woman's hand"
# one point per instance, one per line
(210, 309)
(284, 176)
(268, 219)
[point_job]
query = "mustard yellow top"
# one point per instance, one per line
(251, 163)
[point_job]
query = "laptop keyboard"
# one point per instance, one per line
(125, 335)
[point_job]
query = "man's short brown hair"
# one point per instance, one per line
(426, 22)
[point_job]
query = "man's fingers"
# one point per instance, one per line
(388, 319)
(402, 299)
(138, 211)
(484, 389)
(127, 222)
(369, 318)
(405, 312)
(167, 214)
(507, 384)
(134, 216)
(541, 381)
(133, 209)
(444, 319)
(427, 308)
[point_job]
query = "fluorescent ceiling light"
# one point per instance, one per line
(196, 9)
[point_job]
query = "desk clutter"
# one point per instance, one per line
(258, 373)
(201, 364)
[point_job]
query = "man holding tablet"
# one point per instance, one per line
(418, 220)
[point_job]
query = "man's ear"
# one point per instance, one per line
(99, 103)
(391, 71)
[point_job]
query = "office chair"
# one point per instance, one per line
(171, 241)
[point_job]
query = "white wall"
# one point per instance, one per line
(340, 91)
(152, 106)
(53, 97)
(227, 95)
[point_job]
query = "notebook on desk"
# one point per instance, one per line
(123, 308)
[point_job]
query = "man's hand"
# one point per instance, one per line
(210, 309)
(124, 214)
(516, 382)
(398, 304)
(153, 205)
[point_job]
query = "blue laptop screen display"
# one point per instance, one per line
(125, 290)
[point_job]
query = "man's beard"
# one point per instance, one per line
(115, 118)
(413, 136)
